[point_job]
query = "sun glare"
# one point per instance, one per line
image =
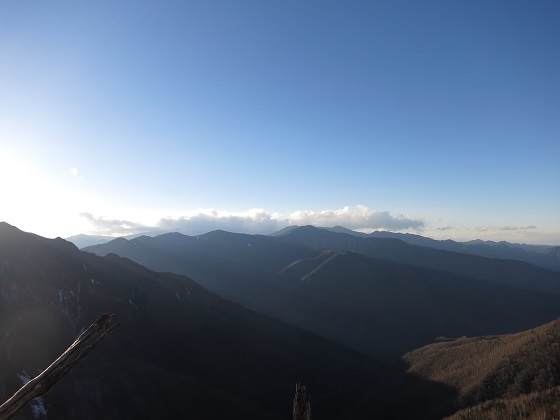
(32, 201)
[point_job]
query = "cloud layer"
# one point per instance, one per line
(113, 227)
(258, 221)
(504, 228)
(359, 217)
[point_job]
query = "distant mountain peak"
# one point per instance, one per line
(6, 227)
(284, 231)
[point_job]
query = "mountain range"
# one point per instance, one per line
(544, 256)
(380, 296)
(224, 325)
(182, 351)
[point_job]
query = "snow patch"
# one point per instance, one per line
(38, 408)
(37, 404)
(132, 298)
(70, 304)
(188, 292)
(24, 377)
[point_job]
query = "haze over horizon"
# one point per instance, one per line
(436, 118)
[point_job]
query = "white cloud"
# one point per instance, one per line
(73, 172)
(511, 233)
(202, 221)
(504, 228)
(359, 217)
(115, 227)
(257, 221)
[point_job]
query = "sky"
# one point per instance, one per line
(440, 118)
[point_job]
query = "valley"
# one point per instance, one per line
(224, 325)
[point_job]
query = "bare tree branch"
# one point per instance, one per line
(41, 384)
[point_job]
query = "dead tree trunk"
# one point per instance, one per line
(40, 385)
(302, 408)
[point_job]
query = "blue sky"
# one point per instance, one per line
(437, 117)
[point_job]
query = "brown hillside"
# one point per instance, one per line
(490, 367)
(534, 406)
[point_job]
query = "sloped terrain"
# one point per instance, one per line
(544, 256)
(181, 347)
(488, 377)
(495, 373)
(488, 367)
(378, 295)
(536, 405)
(184, 351)
(387, 308)
(540, 255)
(508, 272)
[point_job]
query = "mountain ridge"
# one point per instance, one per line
(545, 256)
(174, 330)
(265, 272)
(182, 345)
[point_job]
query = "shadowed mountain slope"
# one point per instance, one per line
(387, 308)
(377, 305)
(181, 347)
(540, 255)
(513, 273)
